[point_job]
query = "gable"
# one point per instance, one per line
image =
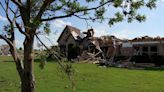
(64, 36)
(69, 30)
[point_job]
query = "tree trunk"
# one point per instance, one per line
(27, 79)
(28, 84)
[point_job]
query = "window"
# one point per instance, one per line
(145, 51)
(153, 50)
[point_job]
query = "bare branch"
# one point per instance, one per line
(20, 29)
(43, 8)
(51, 51)
(15, 12)
(6, 40)
(7, 14)
(6, 10)
(12, 10)
(14, 54)
(85, 18)
(17, 2)
(2, 6)
(71, 14)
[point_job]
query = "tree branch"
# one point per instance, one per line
(71, 14)
(6, 10)
(57, 56)
(20, 29)
(2, 6)
(11, 41)
(17, 2)
(43, 8)
(6, 40)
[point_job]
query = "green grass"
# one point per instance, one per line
(6, 58)
(88, 78)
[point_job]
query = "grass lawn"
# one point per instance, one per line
(6, 58)
(89, 78)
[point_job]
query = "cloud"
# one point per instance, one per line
(2, 18)
(123, 34)
(100, 32)
(56, 27)
(49, 40)
(59, 23)
(18, 43)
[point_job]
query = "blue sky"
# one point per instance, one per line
(153, 26)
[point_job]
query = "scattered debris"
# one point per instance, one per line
(85, 48)
(145, 65)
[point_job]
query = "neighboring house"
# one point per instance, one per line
(4, 50)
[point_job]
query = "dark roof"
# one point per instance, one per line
(71, 28)
(74, 31)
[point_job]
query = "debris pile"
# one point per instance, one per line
(87, 57)
(108, 50)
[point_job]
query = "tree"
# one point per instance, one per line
(28, 15)
(20, 48)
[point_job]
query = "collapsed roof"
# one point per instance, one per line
(147, 38)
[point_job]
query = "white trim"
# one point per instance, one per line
(145, 42)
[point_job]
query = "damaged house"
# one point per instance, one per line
(73, 44)
(110, 45)
(68, 41)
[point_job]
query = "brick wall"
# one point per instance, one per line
(127, 51)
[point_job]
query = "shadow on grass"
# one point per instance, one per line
(155, 69)
(47, 60)
(35, 60)
(103, 65)
(134, 68)
(2, 81)
(7, 61)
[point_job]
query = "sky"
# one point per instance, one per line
(153, 26)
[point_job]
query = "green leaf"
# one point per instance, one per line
(47, 28)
